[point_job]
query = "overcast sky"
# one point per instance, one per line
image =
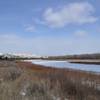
(50, 27)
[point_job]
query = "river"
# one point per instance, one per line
(65, 64)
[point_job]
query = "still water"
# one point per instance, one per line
(65, 64)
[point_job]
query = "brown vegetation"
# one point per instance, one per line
(85, 61)
(26, 81)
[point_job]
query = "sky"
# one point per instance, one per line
(50, 27)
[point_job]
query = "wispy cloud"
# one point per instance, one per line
(29, 28)
(38, 21)
(73, 13)
(48, 45)
(81, 33)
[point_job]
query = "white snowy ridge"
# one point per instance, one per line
(22, 55)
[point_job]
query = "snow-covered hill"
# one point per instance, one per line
(18, 55)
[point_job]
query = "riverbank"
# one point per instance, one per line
(27, 81)
(85, 61)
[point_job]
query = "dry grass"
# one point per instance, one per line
(25, 81)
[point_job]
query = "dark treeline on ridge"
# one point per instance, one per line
(80, 56)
